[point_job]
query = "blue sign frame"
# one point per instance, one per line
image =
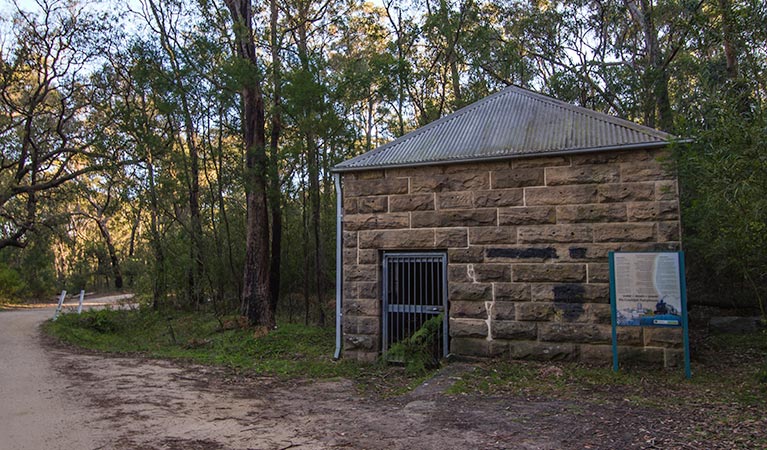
(665, 322)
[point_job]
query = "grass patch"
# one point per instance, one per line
(290, 351)
(728, 369)
(538, 380)
(729, 386)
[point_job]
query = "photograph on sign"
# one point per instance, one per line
(647, 289)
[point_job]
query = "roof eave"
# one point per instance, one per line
(640, 146)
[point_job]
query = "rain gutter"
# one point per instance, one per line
(339, 262)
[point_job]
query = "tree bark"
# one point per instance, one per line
(256, 299)
(274, 146)
(725, 10)
(159, 287)
(114, 260)
(657, 105)
(196, 269)
(305, 246)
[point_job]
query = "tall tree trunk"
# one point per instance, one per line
(274, 145)
(450, 51)
(196, 269)
(256, 300)
(369, 123)
(305, 242)
(218, 165)
(739, 90)
(195, 248)
(725, 10)
(312, 156)
(159, 287)
(134, 232)
(657, 103)
(214, 192)
(114, 260)
(397, 26)
(314, 197)
(400, 77)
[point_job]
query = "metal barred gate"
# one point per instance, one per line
(414, 291)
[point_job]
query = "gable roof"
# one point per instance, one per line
(511, 123)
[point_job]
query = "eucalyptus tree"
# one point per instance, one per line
(256, 298)
(444, 27)
(46, 102)
(101, 202)
(165, 18)
(307, 103)
(360, 65)
(276, 34)
(138, 109)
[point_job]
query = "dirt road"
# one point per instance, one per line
(60, 399)
(37, 410)
(55, 397)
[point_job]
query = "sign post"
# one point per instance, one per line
(648, 289)
(80, 304)
(59, 305)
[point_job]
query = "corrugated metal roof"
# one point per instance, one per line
(511, 123)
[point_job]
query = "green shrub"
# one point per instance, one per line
(102, 321)
(723, 176)
(12, 286)
(419, 352)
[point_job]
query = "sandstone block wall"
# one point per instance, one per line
(527, 243)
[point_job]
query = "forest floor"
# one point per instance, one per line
(78, 398)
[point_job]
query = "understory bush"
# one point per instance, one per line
(11, 284)
(723, 176)
(420, 352)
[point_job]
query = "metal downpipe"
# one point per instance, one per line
(339, 262)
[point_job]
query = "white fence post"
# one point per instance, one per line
(80, 306)
(61, 302)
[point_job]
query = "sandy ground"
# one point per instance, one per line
(38, 410)
(56, 397)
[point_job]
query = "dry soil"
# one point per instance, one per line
(55, 397)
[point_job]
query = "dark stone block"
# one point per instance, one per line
(522, 253)
(569, 293)
(570, 312)
(578, 252)
(466, 255)
(471, 291)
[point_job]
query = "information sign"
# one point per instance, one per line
(648, 289)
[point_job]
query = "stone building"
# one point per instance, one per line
(524, 196)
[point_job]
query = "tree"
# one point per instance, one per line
(163, 22)
(46, 103)
(101, 203)
(256, 300)
(274, 148)
(724, 176)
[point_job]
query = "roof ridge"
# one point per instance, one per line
(602, 117)
(512, 122)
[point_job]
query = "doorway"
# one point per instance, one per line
(414, 298)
